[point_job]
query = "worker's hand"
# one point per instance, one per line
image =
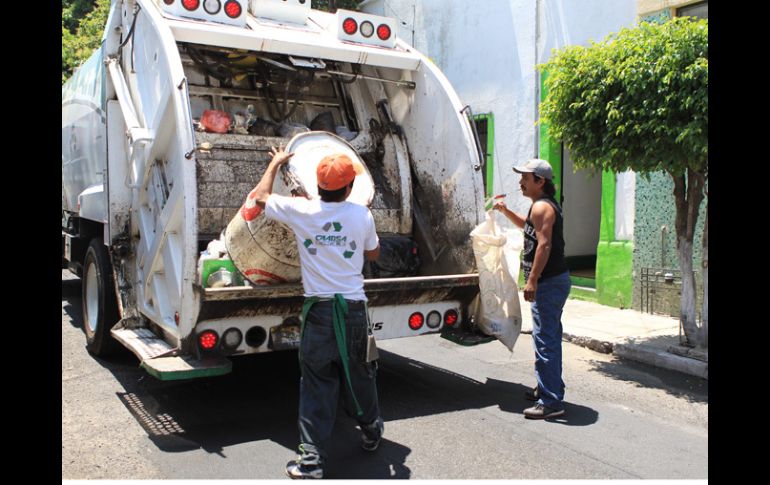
(500, 206)
(280, 157)
(529, 290)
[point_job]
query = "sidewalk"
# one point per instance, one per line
(629, 334)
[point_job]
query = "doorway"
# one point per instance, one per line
(581, 197)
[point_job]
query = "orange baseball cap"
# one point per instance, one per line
(336, 171)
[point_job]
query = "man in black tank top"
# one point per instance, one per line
(547, 282)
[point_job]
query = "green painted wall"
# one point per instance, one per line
(614, 259)
(550, 150)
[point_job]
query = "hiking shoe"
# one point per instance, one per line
(532, 394)
(296, 470)
(541, 411)
(372, 434)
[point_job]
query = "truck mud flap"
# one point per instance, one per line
(156, 358)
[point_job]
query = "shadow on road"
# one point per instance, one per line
(677, 384)
(258, 401)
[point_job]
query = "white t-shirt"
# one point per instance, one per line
(331, 238)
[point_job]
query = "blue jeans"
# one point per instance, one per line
(323, 377)
(550, 297)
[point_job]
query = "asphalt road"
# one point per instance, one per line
(450, 412)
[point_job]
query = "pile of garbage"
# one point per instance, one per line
(248, 123)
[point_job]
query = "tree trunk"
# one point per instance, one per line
(688, 196)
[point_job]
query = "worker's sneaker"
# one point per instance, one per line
(296, 470)
(541, 411)
(532, 394)
(372, 434)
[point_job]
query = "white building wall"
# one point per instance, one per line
(489, 49)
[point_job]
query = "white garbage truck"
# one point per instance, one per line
(147, 186)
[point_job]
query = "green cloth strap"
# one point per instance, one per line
(339, 311)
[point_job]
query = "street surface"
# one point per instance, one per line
(449, 411)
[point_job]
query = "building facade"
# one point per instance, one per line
(489, 50)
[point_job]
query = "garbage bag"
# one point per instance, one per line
(498, 311)
(398, 258)
(323, 122)
(216, 121)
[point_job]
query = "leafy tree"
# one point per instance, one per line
(73, 11)
(639, 100)
(332, 5)
(78, 46)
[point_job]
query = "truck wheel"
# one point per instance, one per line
(100, 309)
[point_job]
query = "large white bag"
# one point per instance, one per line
(498, 311)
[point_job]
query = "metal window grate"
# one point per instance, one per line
(661, 293)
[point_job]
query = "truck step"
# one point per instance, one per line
(187, 367)
(157, 360)
(142, 342)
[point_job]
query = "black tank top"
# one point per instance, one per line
(556, 263)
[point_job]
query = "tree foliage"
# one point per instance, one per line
(638, 100)
(78, 45)
(346, 4)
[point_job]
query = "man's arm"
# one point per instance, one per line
(373, 254)
(514, 217)
(265, 186)
(543, 217)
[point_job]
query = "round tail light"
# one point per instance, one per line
(450, 317)
(416, 320)
(367, 29)
(208, 339)
(350, 26)
(191, 4)
(232, 338)
(212, 7)
(383, 32)
(434, 319)
(232, 9)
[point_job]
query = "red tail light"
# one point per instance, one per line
(191, 4)
(349, 26)
(208, 339)
(450, 317)
(383, 32)
(232, 9)
(416, 320)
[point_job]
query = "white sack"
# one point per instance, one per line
(496, 251)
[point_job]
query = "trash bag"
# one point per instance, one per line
(498, 311)
(288, 130)
(262, 127)
(215, 121)
(323, 122)
(343, 132)
(398, 258)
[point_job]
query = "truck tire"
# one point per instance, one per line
(100, 309)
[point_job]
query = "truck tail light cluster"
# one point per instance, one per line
(208, 340)
(366, 29)
(223, 11)
(433, 319)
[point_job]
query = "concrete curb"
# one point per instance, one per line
(661, 358)
(590, 343)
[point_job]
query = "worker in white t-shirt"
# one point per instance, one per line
(333, 237)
